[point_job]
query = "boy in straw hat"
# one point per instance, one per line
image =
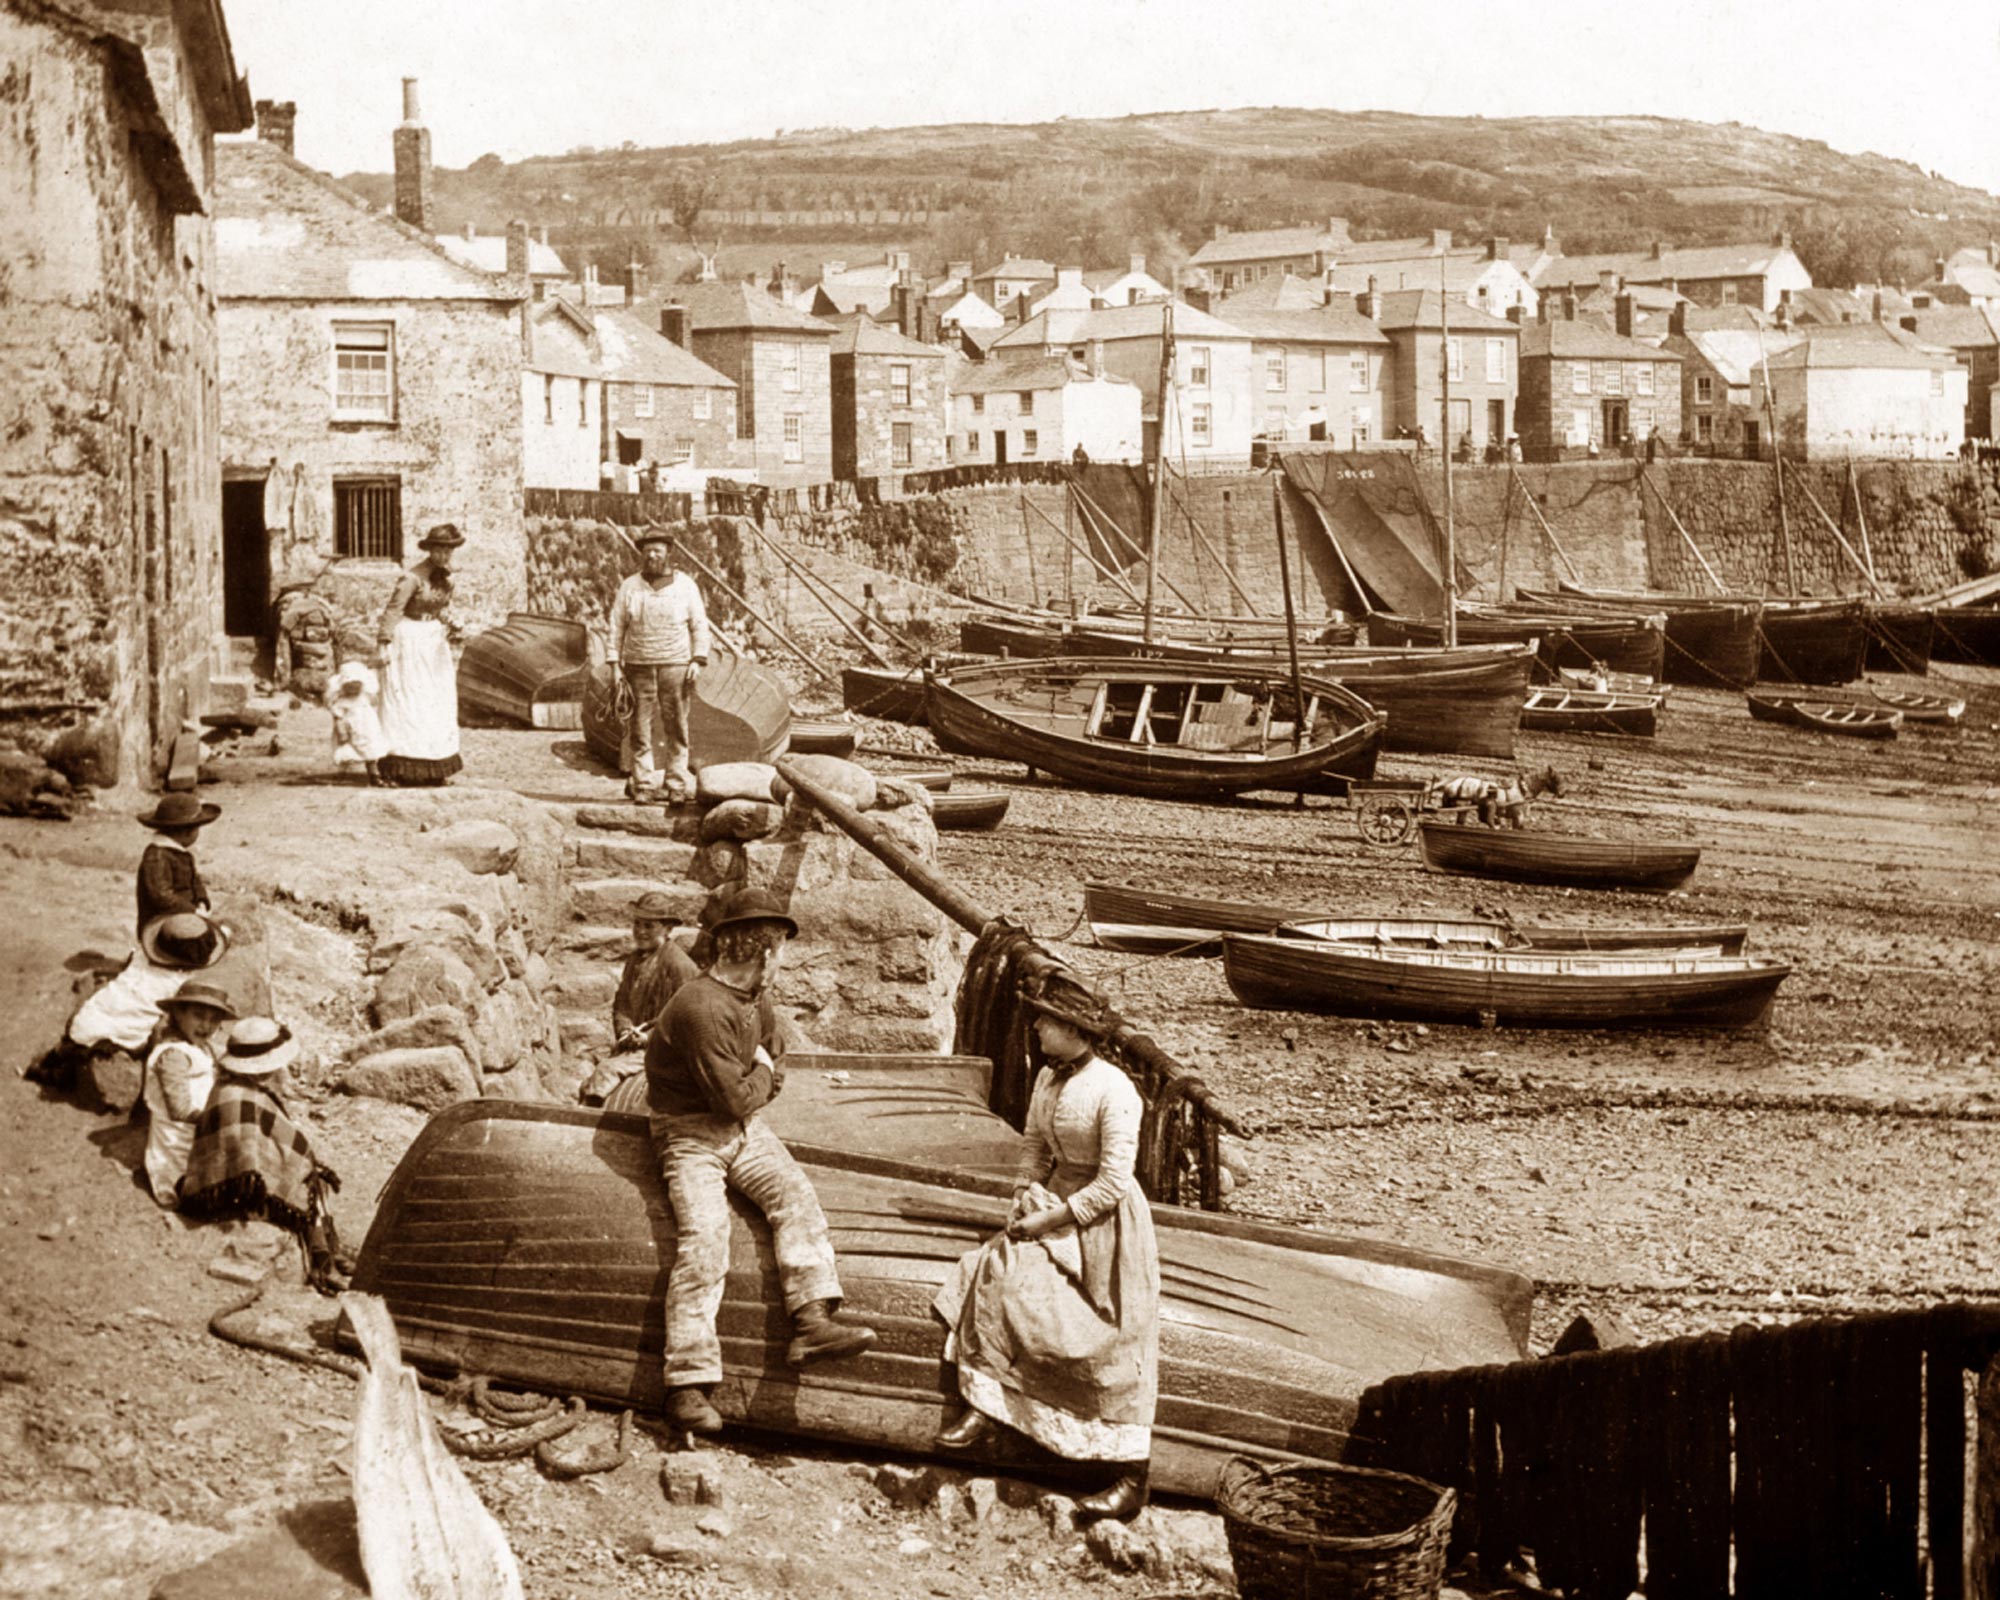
(179, 1075)
(168, 878)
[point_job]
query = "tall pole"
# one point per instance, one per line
(1444, 440)
(1777, 466)
(1291, 622)
(1159, 460)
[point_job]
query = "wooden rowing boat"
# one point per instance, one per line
(1826, 716)
(1552, 710)
(1174, 730)
(822, 739)
(532, 1243)
(531, 670)
(741, 712)
(1522, 988)
(1159, 922)
(1915, 707)
(970, 810)
(1561, 858)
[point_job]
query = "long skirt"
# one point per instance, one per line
(1059, 1337)
(420, 705)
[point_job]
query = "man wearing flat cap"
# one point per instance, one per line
(709, 1073)
(659, 640)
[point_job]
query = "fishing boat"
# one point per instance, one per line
(823, 739)
(1798, 640)
(1036, 637)
(1559, 858)
(1549, 709)
(1709, 642)
(1900, 633)
(1160, 922)
(1936, 709)
(531, 1243)
(895, 694)
(532, 670)
(1826, 716)
(1174, 730)
(1634, 643)
(1522, 988)
(970, 810)
(740, 712)
(1966, 634)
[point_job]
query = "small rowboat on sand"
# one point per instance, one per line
(970, 810)
(1532, 988)
(1826, 716)
(1560, 858)
(1553, 710)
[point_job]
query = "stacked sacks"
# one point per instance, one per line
(306, 631)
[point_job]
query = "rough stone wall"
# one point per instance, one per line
(676, 421)
(110, 497)
(455, 446)
(865, 415)
(1592, 510)
(756, 361)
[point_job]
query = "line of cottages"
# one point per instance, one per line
(223, 375)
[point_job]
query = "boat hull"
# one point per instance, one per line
(1591, 711)
(970, 810)
(741, 712)
(1709, 643)
(1522, 989)
(1969, 635)
(998, 712)
(893, 694)
(1841, 717)
(1805, 643)
(1899, 638)
(1617, 643)
(1158, 922)
(532, 1243)
(1530, 857)
(524, 670)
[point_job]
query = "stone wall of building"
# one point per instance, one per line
(110, 497)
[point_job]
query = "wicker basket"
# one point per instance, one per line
(1333, 1532)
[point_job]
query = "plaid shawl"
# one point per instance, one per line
(250, 1159)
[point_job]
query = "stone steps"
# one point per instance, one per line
(631, 856)
(610, 900)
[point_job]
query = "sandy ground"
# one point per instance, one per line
(1846, 1156)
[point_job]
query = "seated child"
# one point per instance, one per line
(179, 1075)
(357, 728)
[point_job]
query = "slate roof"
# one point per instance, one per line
(631, 351)
(1335, 324)
(1422, 308)
(559, 336)
(844, 297)
(1735, 353)
(1286, 292)
(1642, 266)
(1974, 276)
(1862, 345)
(1584, 340)
(487, 252)
(865, 338)
(1029, 372)
(286, 232)
(1957, 327)
(1461, 272)
(1258, 244)
(739, 305)
(1019, 267)
(1142, 321)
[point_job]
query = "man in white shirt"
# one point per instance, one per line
(659, 640)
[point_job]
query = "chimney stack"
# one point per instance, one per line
(1569, 305)
(517, 255)
(635, 282)
(1660, 249)
(1496, 249)
(1878, 305)
(276, 120)
(1607, 280)
(1677, 321)
(1517, 313)
(1622, 309)
(902, 308)
(1369, 301)
(1784, 308)
(674, 323)
(413, 163)
(1782, 239)
(1909, 324)
(1937, 269)
(1440, 238)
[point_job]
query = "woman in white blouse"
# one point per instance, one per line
(1055, 1322)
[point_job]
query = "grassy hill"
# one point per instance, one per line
(1087, 192)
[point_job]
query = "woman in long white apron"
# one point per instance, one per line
(419, 677)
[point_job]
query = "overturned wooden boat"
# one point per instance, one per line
(1523, 988)
(1549, 709)
(970, 810)
(741, 712)
(1175, 730)
(1560, 858)
(532, 670)
(532, 1243)
(1826, 716)
(1160, 922)
(822, 739)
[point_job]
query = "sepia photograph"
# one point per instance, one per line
(1089, 801)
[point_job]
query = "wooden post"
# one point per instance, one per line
(1506, 522)
(1777, 463)
(1674, 517)
(1983, 1580)
(1550, 533)
(1832, 528)
(1084, 550)
(1090, 508)
(812, 586)
(1069, 561)
(1444, 429)
(1291, 622)
(1860, 519)
(1201, 538)
(1028, 542)
(1159, 460)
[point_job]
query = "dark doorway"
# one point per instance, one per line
(1496, 422)
(999, 447)
(1616, 427)
(246, 560)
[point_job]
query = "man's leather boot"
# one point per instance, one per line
(1124, 1498)
(689, 1409)
(967, 1431)
(817, 1337)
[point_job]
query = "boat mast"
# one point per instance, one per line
(1159, 462)
(1778, 466)
(1291, 622)
(1444, 443)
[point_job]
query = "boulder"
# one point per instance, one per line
(735, 780)
(441, 1026)
(498, 1029)
(513, 952)
(459, 926)
(740, 819)
(855, 785)
(313, 1554)
(117, 1079)
(429, 1079)
(1179, 1547)
(893, 794)
(424, 978)
(522, 1083)
(717, 863)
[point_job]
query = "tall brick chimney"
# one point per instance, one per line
(276, 120)
(413, 163)
(1877, 311)
(1496, 248)
(517, 255)
(1569, 305)
(1517, 313)
(674, 322)
(1677, 320)
(635, 282)
(1621, 314)
(1369, 302)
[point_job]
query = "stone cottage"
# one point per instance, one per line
(110, 494)
(370, 390)
(1586, 386)
(1425, 333)
(891, 408)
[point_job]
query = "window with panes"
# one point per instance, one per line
(902, 444)
(899, 385)
(364, 375)
(795, 436)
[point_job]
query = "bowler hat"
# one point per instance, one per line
(754, 905)
(184, 939)
(259, 1046)
(180, 810)
(445, 536)
(200, 992)
(654, 906)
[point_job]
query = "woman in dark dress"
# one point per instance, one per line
(419, 677)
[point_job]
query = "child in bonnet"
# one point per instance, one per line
(357, 728)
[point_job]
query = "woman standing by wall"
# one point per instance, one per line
(419, 678)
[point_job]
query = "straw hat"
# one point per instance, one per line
(180, 810)
(753, 905)
(184, 939)
(1080, 1009)
(258, 1047)
(200, 992)
(445, 536)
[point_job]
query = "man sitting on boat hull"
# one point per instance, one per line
(709, 1072)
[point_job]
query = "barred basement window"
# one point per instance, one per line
(680, 452)
(368, 518)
